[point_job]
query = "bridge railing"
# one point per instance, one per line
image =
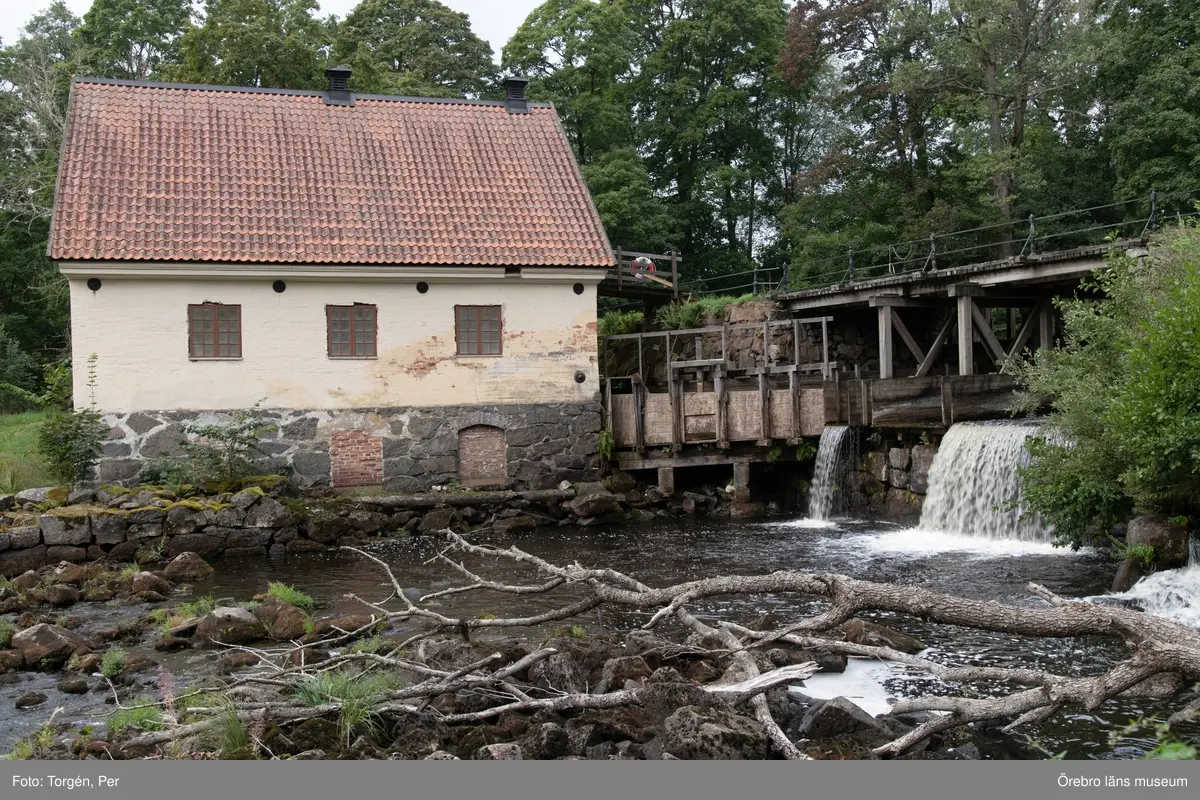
(1128, 219)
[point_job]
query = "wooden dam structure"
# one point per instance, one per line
(919, 350)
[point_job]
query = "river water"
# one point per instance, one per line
(660, 553)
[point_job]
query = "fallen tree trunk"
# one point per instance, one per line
(1164, 656)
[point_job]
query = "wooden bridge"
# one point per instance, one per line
(921, 350)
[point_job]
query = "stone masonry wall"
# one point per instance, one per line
(547, 443)
(893, 482)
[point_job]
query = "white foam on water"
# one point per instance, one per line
(861, 684)
(974, 488)
(806, 523)
(1173, 594)
(916, 543)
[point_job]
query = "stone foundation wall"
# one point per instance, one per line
(893, 482)
(546, 443)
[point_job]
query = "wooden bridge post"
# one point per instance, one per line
(885, 342)
(1046, 326)
(965, 294)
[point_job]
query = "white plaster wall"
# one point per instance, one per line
(137, 327)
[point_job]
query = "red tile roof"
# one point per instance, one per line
(172, 173)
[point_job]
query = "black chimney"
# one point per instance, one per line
(514, 95)
(339, 87)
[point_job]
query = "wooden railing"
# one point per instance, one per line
(667, 278)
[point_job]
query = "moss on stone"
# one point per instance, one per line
(58, 494)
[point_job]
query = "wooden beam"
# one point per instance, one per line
(764, 396)
(903, 301)
(1046, 326)
(935, 349)
(989, 336)
(1025, 332)
(966, 337)
(961, 290)
(907, 337)
(885, 342)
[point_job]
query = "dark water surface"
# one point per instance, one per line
(661, 553)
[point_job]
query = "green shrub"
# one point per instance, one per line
(7, 629)
(616, 323)
(697, 313)
(69, 442)
(228, 452)
(147, 718)
(112, 663)
(605, 445)
(1123, 437)
(290, 595)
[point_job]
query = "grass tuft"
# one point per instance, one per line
(112, 663)
(148, 718)
(290, 595)
(356, 693)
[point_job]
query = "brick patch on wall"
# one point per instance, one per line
(356, 459)
(482, 456)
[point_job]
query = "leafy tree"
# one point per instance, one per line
(35, 82)
(269, 43)
(131, 39)
(1150, 79)
(413, 47)
(1124, 434)
(580, 54)
(634, 215)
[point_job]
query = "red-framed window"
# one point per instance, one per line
(214, 331)
(478, 330)
(351, 331)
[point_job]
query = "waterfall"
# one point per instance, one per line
(834, 456)
(973, 483)
(1194, 551)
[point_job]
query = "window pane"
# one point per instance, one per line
(478, 330)
(339, 332)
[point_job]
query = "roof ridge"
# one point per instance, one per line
(205, 87)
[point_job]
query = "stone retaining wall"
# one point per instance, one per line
(893, 482)
(149, 525)
(409, 449)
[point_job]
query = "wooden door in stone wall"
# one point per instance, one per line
(482, 456)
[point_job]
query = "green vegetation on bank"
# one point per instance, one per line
(1123, 437)
(21, 467)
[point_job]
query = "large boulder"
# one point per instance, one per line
(439, 520)
(869, 633)
(15, 562)
(593, 500)
(1129, 573)
(558, 672)
(187, 566)
(62, 595)
(230, 625)
(149, 582)
(1168, 538)
(268, 513)
(521, 522)
(499, 752)
(838, 718)
(182, 519)
(45, 643)
(325, 527)
(282, 621)
(546, 742)
(65, 530)
(698, 733)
